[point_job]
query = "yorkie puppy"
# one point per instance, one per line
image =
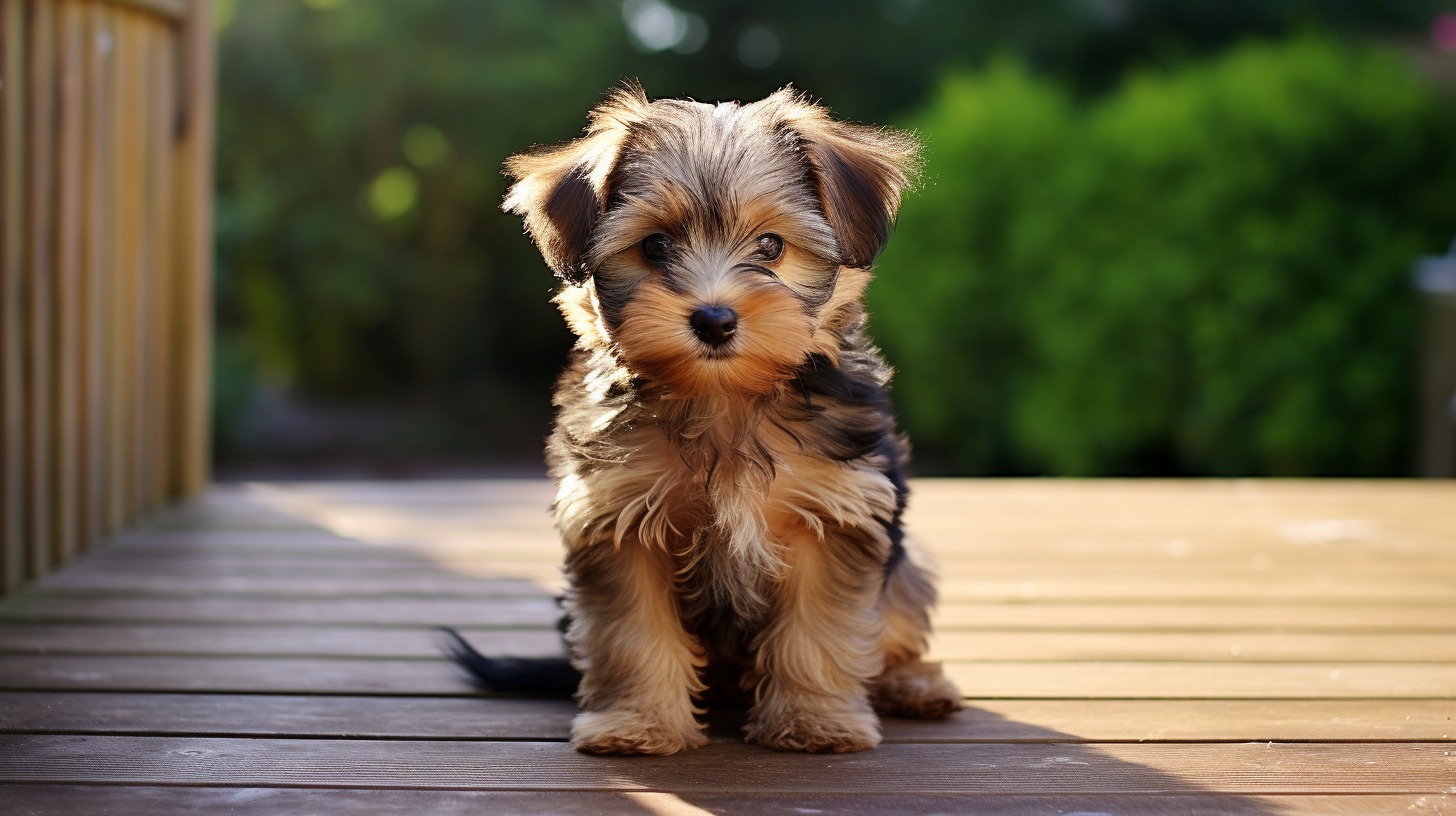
(730, 477)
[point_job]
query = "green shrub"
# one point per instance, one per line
(944, 304)
(1203, 273)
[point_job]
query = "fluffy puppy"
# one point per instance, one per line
(730, 478)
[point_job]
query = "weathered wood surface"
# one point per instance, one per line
(105, 268)
(1126, 647)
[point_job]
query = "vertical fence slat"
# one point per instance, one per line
(132, 121)
(12, 310)
(163, 269)
(68, 483)
(193, 246)
(93, 297)
(117, 280)
(40, 283)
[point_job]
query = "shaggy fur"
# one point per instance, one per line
(730, 479)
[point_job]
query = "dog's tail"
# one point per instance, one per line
(536, 676)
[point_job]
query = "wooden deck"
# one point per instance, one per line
(1127, 647)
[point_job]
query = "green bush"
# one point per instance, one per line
(1202, 273)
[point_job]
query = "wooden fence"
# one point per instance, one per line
(106, 130)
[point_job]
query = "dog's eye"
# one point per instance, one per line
(657, 247)
(770, 246)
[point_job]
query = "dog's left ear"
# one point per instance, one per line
(560, 190)
(860, 173)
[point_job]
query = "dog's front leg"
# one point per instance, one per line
(640, 668)
(814, 661)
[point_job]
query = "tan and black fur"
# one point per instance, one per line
(730, 478)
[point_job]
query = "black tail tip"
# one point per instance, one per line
(533, 676)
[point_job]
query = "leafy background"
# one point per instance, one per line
(1153, 239)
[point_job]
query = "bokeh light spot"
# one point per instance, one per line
(758, 48)
(425, 146)
(393, 193)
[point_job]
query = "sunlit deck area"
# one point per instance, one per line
(1243, 647)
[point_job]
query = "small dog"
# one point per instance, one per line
(730, 478)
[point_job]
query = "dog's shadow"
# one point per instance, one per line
(977, 762)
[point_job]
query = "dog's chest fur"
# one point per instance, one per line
(726, 487)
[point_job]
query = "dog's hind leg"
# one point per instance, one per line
(909, 686)
(640, 668)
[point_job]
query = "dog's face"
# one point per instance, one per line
(714, 248)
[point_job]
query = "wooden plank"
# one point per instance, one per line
(243, 541)
(1193, 617)
(325, 581)
(485, 718)
(473, 718)
(543, 573)
(13, 504)
(261, 640)
(1164, 520)
(1242, 647)
(983, 680)
(222, 507)
(1327, 577)
(1158, 522)
(233, 675)
(729, 767)
(404, 642)
(1148, 720)
(484, 539)
(1326, 586)
(96, 582)
(527, 531)
(520, 611)
(1162, 502)
(63, 800)
(545, 570)
(1150, 680)
(1150, 617)
(1330, 568)
(428, 577)
(428, 496)
(40, 89)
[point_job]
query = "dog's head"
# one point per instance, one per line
(713, 247)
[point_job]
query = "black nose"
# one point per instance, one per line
(714, 325)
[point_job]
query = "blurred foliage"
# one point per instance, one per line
(363, 264)
(1205, 272)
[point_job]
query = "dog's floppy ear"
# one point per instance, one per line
(860, 173)
(560, 190)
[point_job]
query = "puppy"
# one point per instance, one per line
(730, 477)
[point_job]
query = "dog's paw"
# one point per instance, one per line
(819, 732)
(918, 690)
(631, 732)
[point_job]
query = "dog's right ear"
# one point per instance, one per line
(560, 190)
